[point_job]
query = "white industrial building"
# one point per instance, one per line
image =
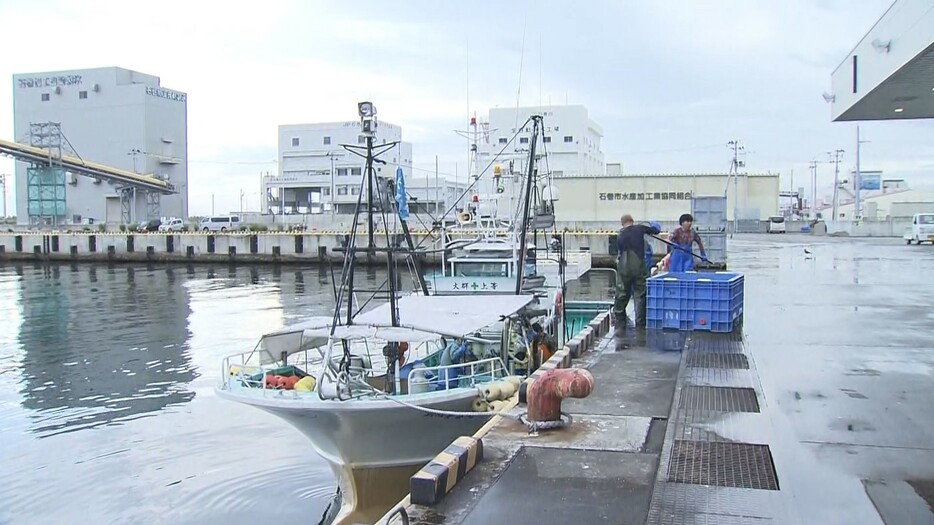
(110, 116)
(570, 138)
(893, 200)
(662, 196)
(317, 175)
(889, 75)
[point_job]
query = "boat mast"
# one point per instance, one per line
(378, 202)
(526, 204)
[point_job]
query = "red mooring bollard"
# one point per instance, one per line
(546, 392)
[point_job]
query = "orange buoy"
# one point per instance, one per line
(403, 348)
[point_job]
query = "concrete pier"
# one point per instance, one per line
(245, 247)
(817, 411)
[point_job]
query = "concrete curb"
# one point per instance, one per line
(430, 484)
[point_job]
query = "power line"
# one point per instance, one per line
(674, 150)
(241, 162)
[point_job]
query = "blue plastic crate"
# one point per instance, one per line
(711, 301)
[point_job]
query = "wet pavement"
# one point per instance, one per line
(843, 340)
(600, 470)
(831, 386)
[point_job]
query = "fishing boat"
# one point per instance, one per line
(503, 239)
(389, 380)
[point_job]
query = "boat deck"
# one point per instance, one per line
(821, 413)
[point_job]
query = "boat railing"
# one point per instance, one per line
(447, 377)
(239, 367)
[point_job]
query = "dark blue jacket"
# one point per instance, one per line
(632, 238)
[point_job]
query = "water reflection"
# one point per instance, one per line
(106, 395)
(108, 353)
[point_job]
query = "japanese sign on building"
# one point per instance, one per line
(653, 196)
(166, 93)
(41, 82)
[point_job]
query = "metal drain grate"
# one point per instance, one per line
(719, 399)
(740, 465)
(708, 360)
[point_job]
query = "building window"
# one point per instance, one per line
(356, 171)
(342, 190)
(327, 140)
(546, 140)
(82, 95)
(45, 97)
(568, 139)
(854, 73)
(295, 142)
(502, 140)
(523, 140)
(341, 172)
(355, 190)
(326, 191)
(361, 139)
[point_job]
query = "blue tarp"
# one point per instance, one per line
(401, 199)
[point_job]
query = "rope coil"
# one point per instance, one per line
(535, 426)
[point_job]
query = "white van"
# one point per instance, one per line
(220, 224)
(776, 224)
(922, 228)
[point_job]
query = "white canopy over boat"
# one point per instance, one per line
(421, 318)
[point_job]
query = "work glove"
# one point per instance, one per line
(655, 225)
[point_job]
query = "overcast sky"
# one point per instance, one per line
(670, 82)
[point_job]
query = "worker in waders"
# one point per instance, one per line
(683, 239)
(631, 269)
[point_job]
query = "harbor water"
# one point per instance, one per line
(107, 408)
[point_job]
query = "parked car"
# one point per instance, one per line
(922, 229)
(222, 224)
(172, 225)
(776, 224)
(149, 226)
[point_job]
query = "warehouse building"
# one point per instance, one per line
(111, 116)
(318, 175)
(662, 196)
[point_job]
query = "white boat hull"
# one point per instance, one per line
(373, 433)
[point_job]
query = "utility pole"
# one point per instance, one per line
(858, 177)
(734, 172)
(836, 154)
(859, 214)
(212, 204)
(813, 167)
(134, 152)
(3, 179)
(241, 202)
(331, 197)
(792, 189)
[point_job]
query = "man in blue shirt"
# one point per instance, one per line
(631, 269)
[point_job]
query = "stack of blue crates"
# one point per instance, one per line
(711, 301)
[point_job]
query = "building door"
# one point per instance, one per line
(113, 211)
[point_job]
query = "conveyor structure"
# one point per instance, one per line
(127, 182)
(43, 156)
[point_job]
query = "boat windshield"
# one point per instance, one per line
(481, 269)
